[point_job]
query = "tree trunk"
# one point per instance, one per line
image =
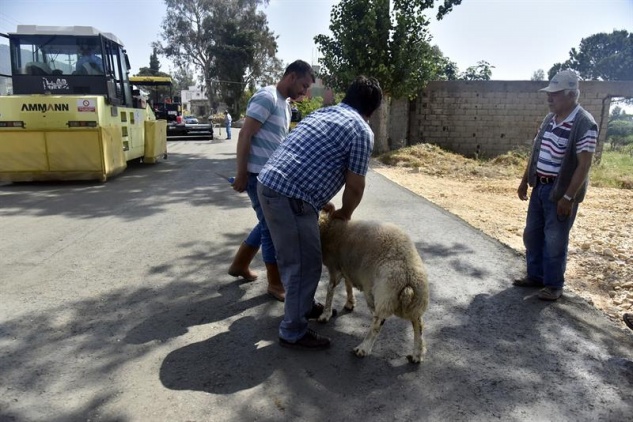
(379, 123)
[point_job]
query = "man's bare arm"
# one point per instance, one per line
(250, 128)
(352, 195)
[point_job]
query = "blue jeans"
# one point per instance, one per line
(259, 236)
(546, 237)
(294, 227)
(228, 130)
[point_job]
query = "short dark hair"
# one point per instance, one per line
(364, 94)
(300, 68)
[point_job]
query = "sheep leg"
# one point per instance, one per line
(335, 278)
(350, 304)
(364, 349)
(419, 349)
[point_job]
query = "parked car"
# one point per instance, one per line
(191, 120)
(237, 123)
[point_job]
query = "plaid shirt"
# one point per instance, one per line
(312, 162)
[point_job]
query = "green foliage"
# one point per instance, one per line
(183, 79)
(481, 72)
(447, 7)
(607, 57)
(615, 169)
(385, 39)
(308, 105)
(225, 40)
(620, 129)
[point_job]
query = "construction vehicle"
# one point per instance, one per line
(73, 114)
(170, 108)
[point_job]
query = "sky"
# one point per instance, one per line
(517, 37)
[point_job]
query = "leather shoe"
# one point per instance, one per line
(310, 341)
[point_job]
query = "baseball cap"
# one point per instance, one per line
(565, 79)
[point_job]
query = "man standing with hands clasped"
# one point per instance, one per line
(558, 172)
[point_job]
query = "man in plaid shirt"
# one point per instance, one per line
(329, 149)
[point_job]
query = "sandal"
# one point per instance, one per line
(628, 320)
(550, 293)
(527, 282)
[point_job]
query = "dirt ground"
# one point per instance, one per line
(600, 264)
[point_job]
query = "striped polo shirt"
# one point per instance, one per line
(268, 107)
(312, 162)
(554, 145)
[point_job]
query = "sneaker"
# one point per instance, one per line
(310, 341)
(550, 293)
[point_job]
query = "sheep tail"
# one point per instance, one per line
(407, 297)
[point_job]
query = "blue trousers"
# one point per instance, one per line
(294, 228)
(259, 236)
(546, 238)
(228, 130)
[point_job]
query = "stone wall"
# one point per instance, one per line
(488, 118)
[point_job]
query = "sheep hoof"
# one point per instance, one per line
(349, 307)
(414, 359)
(361, 353)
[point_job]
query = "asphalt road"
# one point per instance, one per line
(116, 306)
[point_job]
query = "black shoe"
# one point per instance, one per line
(527, 282)
(310, 341)
(317, 310)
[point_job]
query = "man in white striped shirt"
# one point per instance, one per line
(265, 127)
(558, 172)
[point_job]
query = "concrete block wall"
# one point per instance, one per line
(398, 130)
(489, 118)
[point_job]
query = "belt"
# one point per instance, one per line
(545, 180)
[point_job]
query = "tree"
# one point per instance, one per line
(445, 69)
(154, 66)
(385, 39)
(219, 38)
(538, 75)
(605, 57)
(481, 72)
(379, 38)
(183, 79)
(620, 129)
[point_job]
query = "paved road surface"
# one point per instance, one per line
(116, 306)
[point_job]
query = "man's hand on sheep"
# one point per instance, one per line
(329, 208)
(341, 215)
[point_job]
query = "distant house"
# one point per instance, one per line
(194, 101)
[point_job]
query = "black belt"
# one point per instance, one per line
(545, 180)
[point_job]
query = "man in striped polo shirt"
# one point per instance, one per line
(329, 149)
(265, 127)
(558, 172)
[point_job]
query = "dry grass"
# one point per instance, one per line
(434, 161)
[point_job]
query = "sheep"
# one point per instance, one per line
(380, 260)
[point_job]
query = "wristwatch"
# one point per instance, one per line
(569, 198)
